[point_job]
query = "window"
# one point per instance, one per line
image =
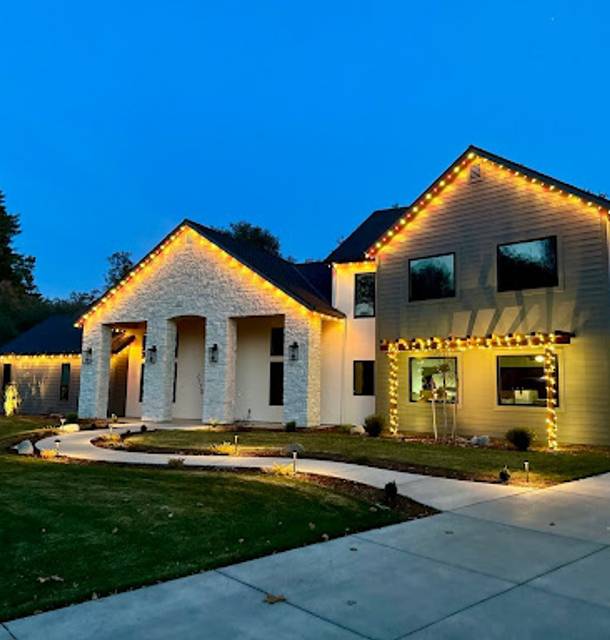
(7, 374)
(527, 265)
(364, 295)
(277, 341)
(432, 278)
(64, 382)
(521, 381)
(276, 383)
(175, 382)
(364, 377)
(433, 376)
(141, 396)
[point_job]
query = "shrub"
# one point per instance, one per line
(143, 429)
(111, 438)
(48, 454)
(521, 439)
(222, 449)
(279, 470)
(291, 426)
(373, 425)
(175, 463)
(71, 417)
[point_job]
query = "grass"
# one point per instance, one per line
(471, 463)
(69, 531)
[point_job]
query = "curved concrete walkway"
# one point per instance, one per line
(440, 493)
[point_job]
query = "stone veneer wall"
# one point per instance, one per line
(194, 278)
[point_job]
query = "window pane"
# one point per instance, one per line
(431, 278)
(277, 341)
(276, 383)
(527, 265)
(364, 295)
(364, 377)
(521, 381)
(433, 377)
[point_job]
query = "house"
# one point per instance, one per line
(483, 303)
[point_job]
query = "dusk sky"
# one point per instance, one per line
(119, 119)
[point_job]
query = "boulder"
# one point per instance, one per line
(24, 448)
(480, 441)
(357, 430)
(293, 447)
(69, 428)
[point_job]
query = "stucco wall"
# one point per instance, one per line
(190, 370)
(471, 219)
(194, 278)
(38, 382)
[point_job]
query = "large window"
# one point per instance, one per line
(276, 383)
(277, 341)
(7, 374)
(364, 295)
(431, 278)
(364, 377)
(527, 265)
(64, 382)
(521, 381)
(433, 377)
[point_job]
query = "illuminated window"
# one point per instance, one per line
(433, 377)
(364, 377)
(521, 381)
(277, 341)
(276, 383)
(364, 295)
(527, 265)
(64, 382)
(432, 278)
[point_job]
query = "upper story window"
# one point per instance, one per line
(432, 277)
(527, 265)
(277, 341)
(364, 295)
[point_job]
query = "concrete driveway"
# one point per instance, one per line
(528, 565)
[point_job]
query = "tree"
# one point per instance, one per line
(255, 235)
(120, 264)
(15, 268)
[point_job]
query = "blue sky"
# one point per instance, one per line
(118, 119)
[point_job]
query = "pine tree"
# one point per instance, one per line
(15, 269)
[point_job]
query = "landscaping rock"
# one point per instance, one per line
(480, 441)
(294, 446)
(358, 430)
(69, 428)
(24, 448)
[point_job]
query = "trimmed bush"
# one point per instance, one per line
(291, 426)
(175, 463)
(373, 425)
(71, 418)
(390, 492)
(521, 439)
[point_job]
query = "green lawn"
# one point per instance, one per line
(425, 457)
(70, 530)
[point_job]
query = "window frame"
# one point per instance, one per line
(372, 274)
(64, 387)
(428, 257)
(523, 405)
(552, 237)
(457, 375)
(363, 394)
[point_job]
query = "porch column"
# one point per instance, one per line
(219, 371)
(159, 370)
(95, 372)
(302, 336)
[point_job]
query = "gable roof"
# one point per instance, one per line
(320, 275)
(353, 248)
(54, 336)
(284, 275)
(470, 155)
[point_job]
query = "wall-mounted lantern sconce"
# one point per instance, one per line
(87, 356)
(293, 352)
(151, 354)
(213, 353)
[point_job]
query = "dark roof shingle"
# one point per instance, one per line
(54, 336)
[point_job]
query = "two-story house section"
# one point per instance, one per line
(492, 306)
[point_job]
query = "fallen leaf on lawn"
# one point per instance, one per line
(43, 579)
(170, 515)
(325, 537)
(115, 530)
(312, 525)
(270, 598)
(94, 596)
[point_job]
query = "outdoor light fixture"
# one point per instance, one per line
(213, 353)
(293, 352)
(151, 354)
(88, 356)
